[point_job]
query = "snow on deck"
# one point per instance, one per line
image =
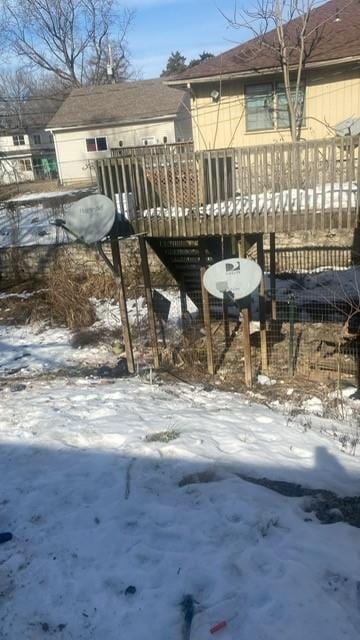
(28, 223)
(331, 196)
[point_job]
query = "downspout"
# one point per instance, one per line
(57, 157)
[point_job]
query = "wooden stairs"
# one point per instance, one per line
(184, 258)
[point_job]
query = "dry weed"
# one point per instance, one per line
(94, 336)
(68, 296)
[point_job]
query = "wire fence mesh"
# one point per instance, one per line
(315, 331)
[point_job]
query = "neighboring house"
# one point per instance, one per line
(238, 97)
(27, 151)
(94, 120)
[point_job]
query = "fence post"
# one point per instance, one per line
(291, 303)
(262, 305)
(273, 275)
(246, 325)
(207, 324)
(149, 300)
(183, 304)
(115, 250)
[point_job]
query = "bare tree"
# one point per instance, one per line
(27, 100)
(284, 31)
(14, 91)
(69, 38)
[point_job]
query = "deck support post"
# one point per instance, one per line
(149, 300)
(262, 305)
(273, 275)
(183, 305)
(206, 308)
(246, 324)
(116, 257)
(207, 324)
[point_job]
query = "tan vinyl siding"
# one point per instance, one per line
(331, 95)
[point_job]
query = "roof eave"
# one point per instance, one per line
(186, 82)
(112, 123)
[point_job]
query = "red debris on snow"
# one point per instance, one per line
(218, 627)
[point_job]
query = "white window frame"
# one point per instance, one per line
(96, 150)
(18, 140)
(277, 90)
(23, 162)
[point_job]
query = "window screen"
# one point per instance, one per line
(259, 107)
(282, 110)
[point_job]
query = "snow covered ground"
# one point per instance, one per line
(25, 220)
(95, 508)
(50, 195)
(97, 503)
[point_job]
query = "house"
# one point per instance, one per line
(94, 120)
(238, 97)
(27, 151)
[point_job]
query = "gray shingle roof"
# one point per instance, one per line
(117, 103)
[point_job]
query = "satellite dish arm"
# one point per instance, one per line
(60, 223)
(103, 255)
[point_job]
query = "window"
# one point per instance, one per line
(36, 138)
(25, 164)
(266, 106)
(259, 101)
(282, 112)
(96, 144)
(101, 144)
(18, 140)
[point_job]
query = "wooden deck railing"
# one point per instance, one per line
(151, 149)
(312, 185)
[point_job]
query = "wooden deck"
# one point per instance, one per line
(179, 193)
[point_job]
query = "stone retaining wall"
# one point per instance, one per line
(31, 265)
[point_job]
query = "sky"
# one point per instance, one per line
(189, 26)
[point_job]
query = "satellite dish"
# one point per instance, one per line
(348, 127)
(90, 219)
(232, 279)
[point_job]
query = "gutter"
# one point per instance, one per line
(57, 156)
(255, 73)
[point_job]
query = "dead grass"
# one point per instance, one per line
(201, 477)
(91, 337)
(20, 311)
(68, 297)
(163, 436)
(70, 289)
